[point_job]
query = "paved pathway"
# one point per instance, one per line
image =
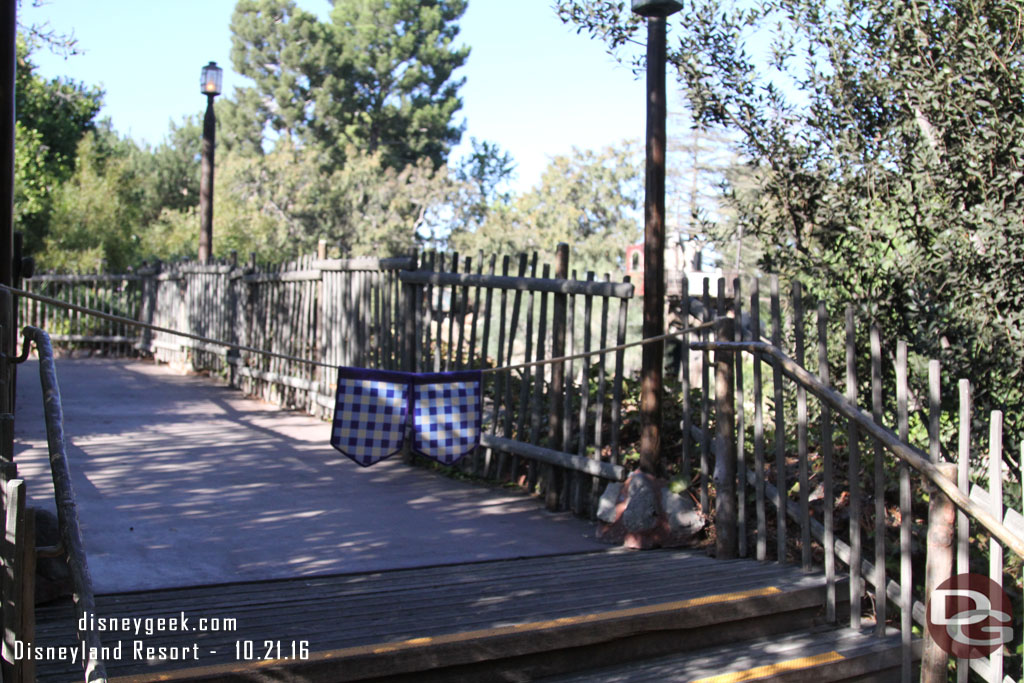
(180, 481)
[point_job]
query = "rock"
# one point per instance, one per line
(643, 513)
(609, 500)
(683, 517)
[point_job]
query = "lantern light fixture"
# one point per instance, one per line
(210, 79)
(656, 8)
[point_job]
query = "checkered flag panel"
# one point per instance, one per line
(447, 412)
(370, 414)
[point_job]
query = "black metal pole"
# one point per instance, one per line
(654, 252)
(206, 184)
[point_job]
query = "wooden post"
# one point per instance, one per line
(761, 551)
(17, 580)
(963, 557)
(8, 316)
(653, 357)
(555, 401)
(781, 498)
(995, 493)
(801, 430)
(877, 411)
(939, 567)
(828, 501)
(410, 324)
(906, 566)
(741, 460)
(726, 545)
(853, 474)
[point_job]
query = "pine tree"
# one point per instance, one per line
(378, 76)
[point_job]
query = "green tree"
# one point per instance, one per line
(282, 203)
(886, 139)
(480, 187)
(97, 214)
(169, 173)
(588, 199)
(52, 116)
(378, 76)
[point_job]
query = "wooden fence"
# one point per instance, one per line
(806, 470)
(816, 478)
(442, 312)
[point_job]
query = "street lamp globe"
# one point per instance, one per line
(210, 79)
(656, 8)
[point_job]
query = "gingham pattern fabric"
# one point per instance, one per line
(447, 412)
(370, 414)
(374, 407)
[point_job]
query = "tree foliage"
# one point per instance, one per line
(588, 199)
(52, 116)
(886, 139)
(97, 213)
(377, 77)
(285, 202)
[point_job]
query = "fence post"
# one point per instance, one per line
(555, 401)
(938, 568)
(409, 323)
(726, 545)
(18, 580)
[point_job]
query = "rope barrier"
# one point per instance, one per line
(249, 349)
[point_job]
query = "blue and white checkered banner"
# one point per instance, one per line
(370, 413)
(373, 408)
(447, 412)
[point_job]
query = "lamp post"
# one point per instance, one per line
(653, 359)
(210, 85)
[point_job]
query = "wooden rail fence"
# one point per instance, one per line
(437, 313)
(817, 471)
(793, 466)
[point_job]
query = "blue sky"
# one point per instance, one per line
(533, 85)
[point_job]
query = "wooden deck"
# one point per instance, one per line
(499, 620)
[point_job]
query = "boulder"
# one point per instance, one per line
(643, 513)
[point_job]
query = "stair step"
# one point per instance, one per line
(820, 655)
(530, 649)
(508, 620)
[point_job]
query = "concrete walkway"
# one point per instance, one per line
(180, 481)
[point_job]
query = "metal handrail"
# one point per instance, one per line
(64, 496)
(912, 456)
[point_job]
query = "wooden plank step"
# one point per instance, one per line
(400, 622)
(817, 655)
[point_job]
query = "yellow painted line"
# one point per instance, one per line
(648, 610)
(465, 636)
(772, 669)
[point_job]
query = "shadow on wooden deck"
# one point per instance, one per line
(181, 482)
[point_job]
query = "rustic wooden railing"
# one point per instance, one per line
(19, 548)
(434, 313)
(560, 432)
(556, 428)
(806, 526)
